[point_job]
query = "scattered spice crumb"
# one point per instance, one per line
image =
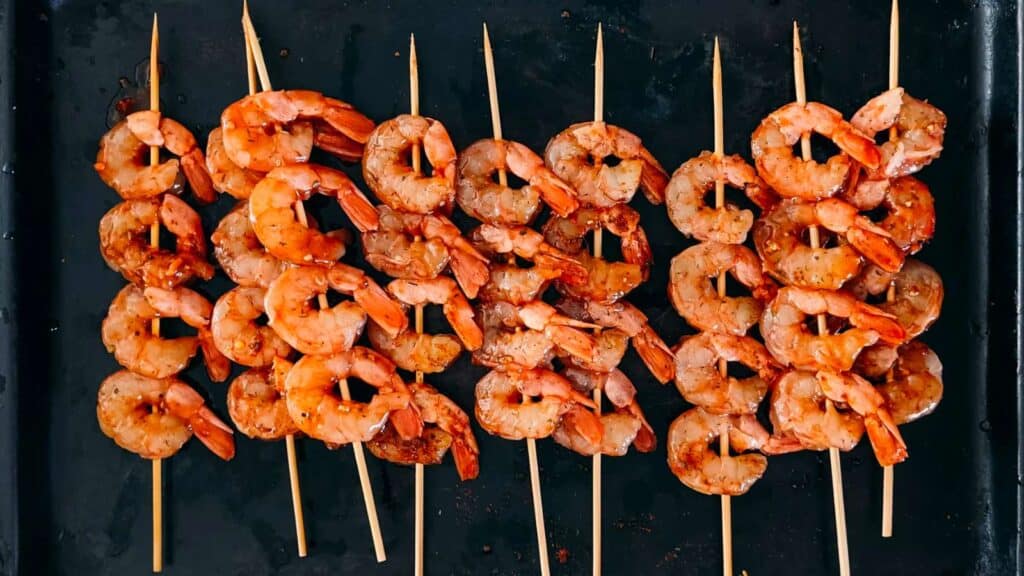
(487, 549)
(284, 52)
(566, 14)
(562, 555)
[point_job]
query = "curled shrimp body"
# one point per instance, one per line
(526, 404)
(700, 382)
(684, 198)
(270, 129)
(783, 326)
(257, 406)
(697, 465)
(576, 155)
(236, 333)
(529, 244)
(239, 252)
(624, 427)
(916, 387)
(919, 294)
(772, 147)
(154, 417)
(225, 175)
(481, 197)
(389, 174)
(124, 242)
(291, 313)
(155, 130)
(524, 335)
(316, 405)
(510, 283)
(272, 211)
(444, 291)
(695, 298)
(856, 392)
(610, 347)
(427, 353)
(123, 164)
(799, 411)
(920, 130)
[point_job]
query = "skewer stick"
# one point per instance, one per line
(598, 251)
(838, 502)
(154, 240)
(888, 480)
(293, 465)
(357, 447)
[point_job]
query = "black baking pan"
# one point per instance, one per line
(71, 502)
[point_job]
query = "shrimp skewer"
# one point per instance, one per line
(154, 241)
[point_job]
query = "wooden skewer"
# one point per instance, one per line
(598, 251)
(838, 502)
(357, 447)
(531, 444)
(154, 240)
(888, 479)
(289, 440)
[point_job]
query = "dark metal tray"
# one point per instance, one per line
(71, 502)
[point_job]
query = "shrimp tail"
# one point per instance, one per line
(885, 438)
(857, 145)
(646, 440)
(783, 443)
(555, 193)
(358, 208)
(470, 271)
(330, 140)
(653, 179)
(407, 422)
(381, 307)
(213, 433)
(194, 166)
(636, 249)
(575, 342)
(655, 354)
(349, 122)
(218, 366)
(880, 250)
(587, 424)
(460, 315)
(570, 270)
(467, 460)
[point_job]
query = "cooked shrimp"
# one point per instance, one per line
(695, 298)
(480, 196)
(155, 417)
(919, 294)
(607, 282)
(693, 461)
(527, 404)
(240, 253)
(389, 174)
(865, 400)
(920, 130)
(428, 448)
(624, 427)
(123, 164)
(510, 283)
(442, 290)
(799, 411)
(506, 344)
(327, 331)
(336, 143)
(700, 382)
(195, 310)
(684, 198)
(317, 407)
(783, 326)
(427, 353)
(772, 147)
(577, 155)
(152, 129)
(916, 387)
(266, 130)
(911, 214)
(225, 175)
(258, 408)
(236, 333)
(528, 244)
(610, 347)
(568, 234)
(124, 242)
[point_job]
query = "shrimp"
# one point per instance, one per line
(684, 198)
(271, 209)
(696, 299)
(608, 351)
(123, 164)
(919, 294)
(772, 147)
(236, 333)
(624, 427)
(789, 340)
(920, 130)
(911, 214)
(427, 353)
(261, 131)
(506, 344)
(481, 197)
(799, 412)
(154, 417)
(434, 408)
(916, 387)
(700, 382)
(442, 290)
(529, 244)
(692, 460)
(576, 155)
(779, 238)
(865, 400)
(310, 331)
(607, 281)
(152, 129)
(389, 174)
(318, 409)
(527, 404)
(239, 252)
(124, 242)
(510, 283)
(258, 408)
(225, 175)
(567, 234)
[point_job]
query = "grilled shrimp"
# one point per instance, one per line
(506, 342)
(258, 408)
(700, 382)
(124, 242)
(155, 417)
(481, 197)
(225, 175)
(442, 290)
(772, 147)
(236, 333)
(698, 466)
(624, 427)
(310, 331)
(920, 130)
(610, 347)
(919, 294)
(684, 198)
(427, 353)
(527, 404)
(266, 130)
(576, 155)
(529, 244)
(783, 326)
(239, 252)
(694, 296)
(155, 130)
(853, 390)
(916, 387)
(389, 174)
(123, 164)
(799, 412)
(510, 283)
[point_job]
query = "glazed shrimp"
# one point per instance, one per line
(195, 310)
(442, 290)
(387, 171)
(772, 147)
(527, 404)
(695, 298)
(318, 409)
(124, 242)
(155, 417)
(692, 460)
(919, 294)
(271, 209)
(791, 342)
(608, 352)
(700, 382)
(910, 218)
(920, 130)
(799, 411)
(506, 344)
(427, 353)
(576, 155)
(567, 234)
(225, 175)
(236, 333)
(152, 129)
(865, 400)
(481, 197)
(684, 198)
(123, 164)
(239, 252)
(916, 387)
(624, 427)
(327, 331)
(266, 130)
(528, 244)
(258, 408)
(510, 283)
